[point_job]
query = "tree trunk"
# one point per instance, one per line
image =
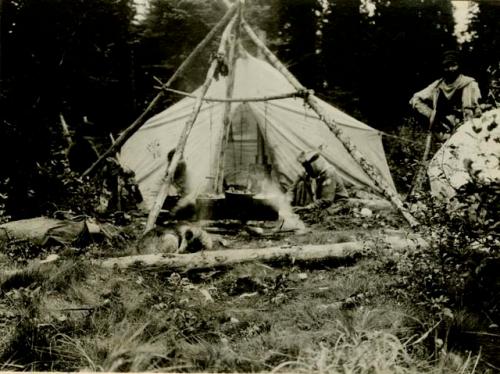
(219, 171)
(230, 257)
(373, 204)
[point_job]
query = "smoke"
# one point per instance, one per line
(281, 202)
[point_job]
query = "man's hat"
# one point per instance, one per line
(307, 157)
(450, 57)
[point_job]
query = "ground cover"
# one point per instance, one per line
(324, 316)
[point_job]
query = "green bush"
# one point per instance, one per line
(455, 278)
(404, 150)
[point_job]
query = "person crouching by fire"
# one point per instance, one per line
(319, 187)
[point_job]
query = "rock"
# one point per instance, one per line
(366, 213)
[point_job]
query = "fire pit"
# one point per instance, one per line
(238, 205)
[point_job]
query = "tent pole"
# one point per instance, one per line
(129, 131)
(420, 174)
(181, 144)
(232, 99)
(219, 172)
(313, 102)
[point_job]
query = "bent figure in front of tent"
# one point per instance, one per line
(450, 100)
(301, 193)
(326, 184)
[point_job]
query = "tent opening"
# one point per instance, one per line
(247, 157)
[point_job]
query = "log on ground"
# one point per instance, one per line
(373, 204)
(230, 257)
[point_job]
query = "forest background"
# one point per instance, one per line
(95, 62)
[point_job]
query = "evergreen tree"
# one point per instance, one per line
(346, 50)
(299, 21)
(483, 50)
(171, 30)
(410, 38)
(60, 57)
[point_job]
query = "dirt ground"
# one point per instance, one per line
(329, 316)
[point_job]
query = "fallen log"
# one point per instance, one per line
(224, 258)
(373, 204)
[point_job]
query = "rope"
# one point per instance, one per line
(233, 140)
(241, 141)
(210, 160)
(397, 137)
(265, 122)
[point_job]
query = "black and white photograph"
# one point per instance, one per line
(236, 186)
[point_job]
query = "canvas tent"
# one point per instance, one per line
(290, 126)
(262, 132)
(477, 140)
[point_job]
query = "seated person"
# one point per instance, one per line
(179, 202)
(326, 185)
(179, 183)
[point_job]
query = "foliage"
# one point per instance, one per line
(168, 34)
(384, 53)
(59, 57)
(92, 59)
(54, 64)
(455, 277)
(133, 321)
(22, 251)
(404, 149)
(54, 187)
(482, 48)
(300, 22)
(4, 217)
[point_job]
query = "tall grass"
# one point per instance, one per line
(363, 349)
(125, 349)
(146, 322)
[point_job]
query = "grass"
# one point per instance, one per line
(21, 279)
(71, 316)
(127, 349)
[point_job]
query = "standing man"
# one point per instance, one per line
(450, 100)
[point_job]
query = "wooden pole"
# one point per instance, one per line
(219, 174)
(129, 131)
(419, 176)
(313, 102)
(231, 257)
(65, 130)
(236, 99)
(181, 144)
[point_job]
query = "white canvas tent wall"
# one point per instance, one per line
(477, 140)
(288, 127)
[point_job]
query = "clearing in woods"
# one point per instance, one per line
(347, 315)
